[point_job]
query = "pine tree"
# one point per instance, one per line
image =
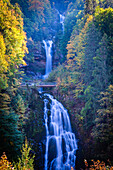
(90, 6)
(100, 71)
(10, 136)
(103, 130)
(92, 39)
(106, 3)
(12, 51)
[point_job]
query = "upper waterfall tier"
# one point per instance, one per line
(48, 49)
(62, 17)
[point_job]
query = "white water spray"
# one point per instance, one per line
(62, 17)
(48, 49)
(61, 144)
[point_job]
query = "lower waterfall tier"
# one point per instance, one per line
(61, 144)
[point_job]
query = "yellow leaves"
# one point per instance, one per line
(90, 18)
(71, 51)
(12, 29)
(24, 63)
(12, 41)
(78, 89)
(2, 45)
(4, 163)
(3, 62)
(26, 161)
(58, 81)
(110, 88)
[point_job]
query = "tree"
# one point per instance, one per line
(12, 50)
(3, 63)
(37, 6)
(70, 22)
(26, 160)
(100, 69)
(90, 6)
(106, 3)
(10, 136)
(4, 163)
(103, 130)
(13, 37)
(104, 20)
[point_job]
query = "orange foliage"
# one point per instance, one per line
(97, 165)
(4, 163)
(37, 6)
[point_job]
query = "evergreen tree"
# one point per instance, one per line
(106, 3)
(100, 71)
(10, 136)
(103, 130)
(90, 6)
(104, 20)
(12, 51)
(92, 38)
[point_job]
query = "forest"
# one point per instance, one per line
(82, 70)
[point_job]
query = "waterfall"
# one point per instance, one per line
(61, 144)
(48, 49)
(62, 17)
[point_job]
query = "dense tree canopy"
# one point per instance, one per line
(12, 51)
(12, 39)
(87, 76)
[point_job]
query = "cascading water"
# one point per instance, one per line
(62, 17)
(48, 49)
(61, 144)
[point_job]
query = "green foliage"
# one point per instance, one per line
(13, 44)
(34, 127)
(70, 21)
(12, 51)
(90, 6)
(34, 123)
(103, 130)
(24, 163)
(3, 62)
(11, 137)
(104, 20)
(88, 74)
(106, 3)
(101, 67)
(19, 107)
(26, 160)
(61, 5)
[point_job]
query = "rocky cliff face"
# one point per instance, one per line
(35, 59)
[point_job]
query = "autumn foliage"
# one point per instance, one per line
(4, 163)
(12, 41)
(97, 165)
